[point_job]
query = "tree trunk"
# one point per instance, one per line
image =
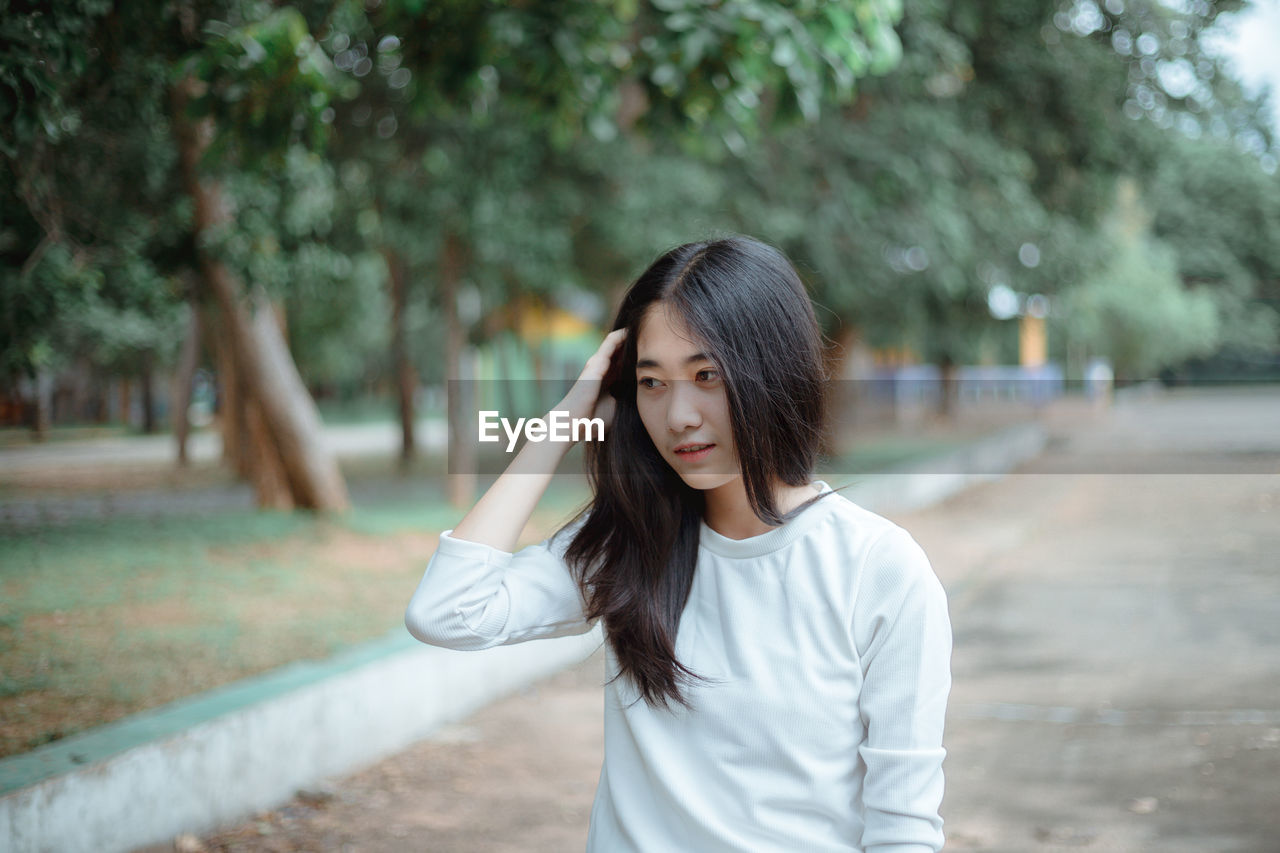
(266, 470)
(949, 396)
(292, 424)
(44, 404)
(462, 458)
(180, 390)
(126, 402)
(82, 401)
(846, 376)
(148, 397)
(101, 405)
(406, 380)
(232, 408)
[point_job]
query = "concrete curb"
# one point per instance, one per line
(218, 757)
(921, 484)
(260, 742)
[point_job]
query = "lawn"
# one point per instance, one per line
(102, 619)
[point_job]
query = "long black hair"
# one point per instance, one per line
(635, 553)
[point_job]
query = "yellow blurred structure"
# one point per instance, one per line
(894, 356)
(536, 322)
(1033, 342)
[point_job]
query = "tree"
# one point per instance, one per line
(249, 82)
(85, 266)
(242, 96)
(900, 206)
(445, 81)
(1133, 306)
(992, 155)
(1219, 211)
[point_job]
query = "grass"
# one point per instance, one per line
(103, 619)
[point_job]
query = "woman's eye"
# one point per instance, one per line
(708, 375)
(647, 382)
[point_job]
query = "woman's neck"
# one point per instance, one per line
(729, 513)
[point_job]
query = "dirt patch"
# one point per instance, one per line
(332, 549)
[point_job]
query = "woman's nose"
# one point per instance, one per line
(682, 409)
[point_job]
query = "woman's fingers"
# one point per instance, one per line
(589, 389)
(598, 365)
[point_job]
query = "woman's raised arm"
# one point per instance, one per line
(498, 517)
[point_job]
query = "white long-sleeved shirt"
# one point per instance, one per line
(826, 643)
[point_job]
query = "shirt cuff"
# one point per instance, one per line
(456, 547)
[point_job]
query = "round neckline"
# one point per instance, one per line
(771, 540)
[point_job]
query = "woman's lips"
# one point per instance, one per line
(695, 455)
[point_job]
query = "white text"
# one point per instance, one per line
(558, 426)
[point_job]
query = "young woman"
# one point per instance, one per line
(778, 657)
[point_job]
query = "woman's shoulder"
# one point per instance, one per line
(855, 513)
(855, 520)
(872, 542)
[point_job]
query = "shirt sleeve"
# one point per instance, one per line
(903, 634)
(473, 596)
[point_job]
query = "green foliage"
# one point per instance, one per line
(1233, 252)
(33, 304)
(909, 157)
(1093, 94)
(901, 208)
(264, 80)
(88, 219)
(735, 65)
(1136, 310)
(650, 198)
(498, 125)
(96, 178)
(740, 66)
(42, 43)
(337, 311)
(286, 233)
(989, 157)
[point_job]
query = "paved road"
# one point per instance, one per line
(1117, 662)
(205, 446)
(1117, 668)
(134, 476)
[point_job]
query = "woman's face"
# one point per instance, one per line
(681, 398)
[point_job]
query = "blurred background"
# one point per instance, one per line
(413, 191)
(245, 245)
